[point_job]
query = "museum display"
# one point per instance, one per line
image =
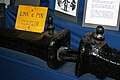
(94, 55)
(43, 45)
(2, 14)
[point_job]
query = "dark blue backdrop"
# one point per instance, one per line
(19, 66)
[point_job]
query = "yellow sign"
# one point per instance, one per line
(31, 18)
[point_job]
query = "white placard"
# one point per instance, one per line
(103, 12)
(67, 6)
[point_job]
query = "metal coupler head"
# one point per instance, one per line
(44, 45)
(94, 56)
